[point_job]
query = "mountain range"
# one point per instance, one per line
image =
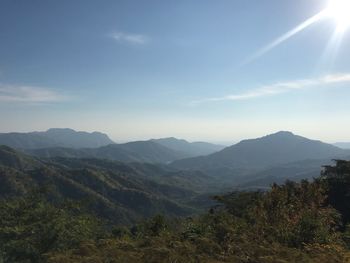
(140, 151)
(250, 163)
(54, 138)
(256, 163)
(69, 143)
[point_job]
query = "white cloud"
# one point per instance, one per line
(282, 87)
(28, 94)
(135, 39)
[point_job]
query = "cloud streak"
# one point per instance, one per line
(134, 39)
(281, 87)
(29, 94)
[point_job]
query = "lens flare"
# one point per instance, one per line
(339, 10)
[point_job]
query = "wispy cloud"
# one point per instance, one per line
(29, 94)
(135, 39)
(281, 87)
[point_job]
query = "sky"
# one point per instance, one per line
(218, 71)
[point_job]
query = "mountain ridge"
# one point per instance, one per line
(190, 148)
(138, 151)
(54, 137)
(273, 149)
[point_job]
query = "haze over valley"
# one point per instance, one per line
(187, 131)
(250, 163)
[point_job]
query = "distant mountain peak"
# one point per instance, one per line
(69, 130)
(282, 133)
(55, 137)
(274, 149)
(170, 139)
(60, 130)
(280, 136)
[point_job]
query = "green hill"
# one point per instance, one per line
(114, 190)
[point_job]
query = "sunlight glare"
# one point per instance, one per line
(340, 11)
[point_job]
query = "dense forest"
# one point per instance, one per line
(293, 222)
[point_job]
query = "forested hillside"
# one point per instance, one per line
(293, 222)
(138, 151)
(91, 209)
(117, 191)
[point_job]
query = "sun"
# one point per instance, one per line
(339, 10)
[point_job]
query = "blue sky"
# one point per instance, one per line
(185, 68)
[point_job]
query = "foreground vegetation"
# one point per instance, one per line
(294, 222)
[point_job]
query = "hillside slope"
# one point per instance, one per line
(113, 190)
(139, 151)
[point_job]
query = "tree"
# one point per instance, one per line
(30, 227)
